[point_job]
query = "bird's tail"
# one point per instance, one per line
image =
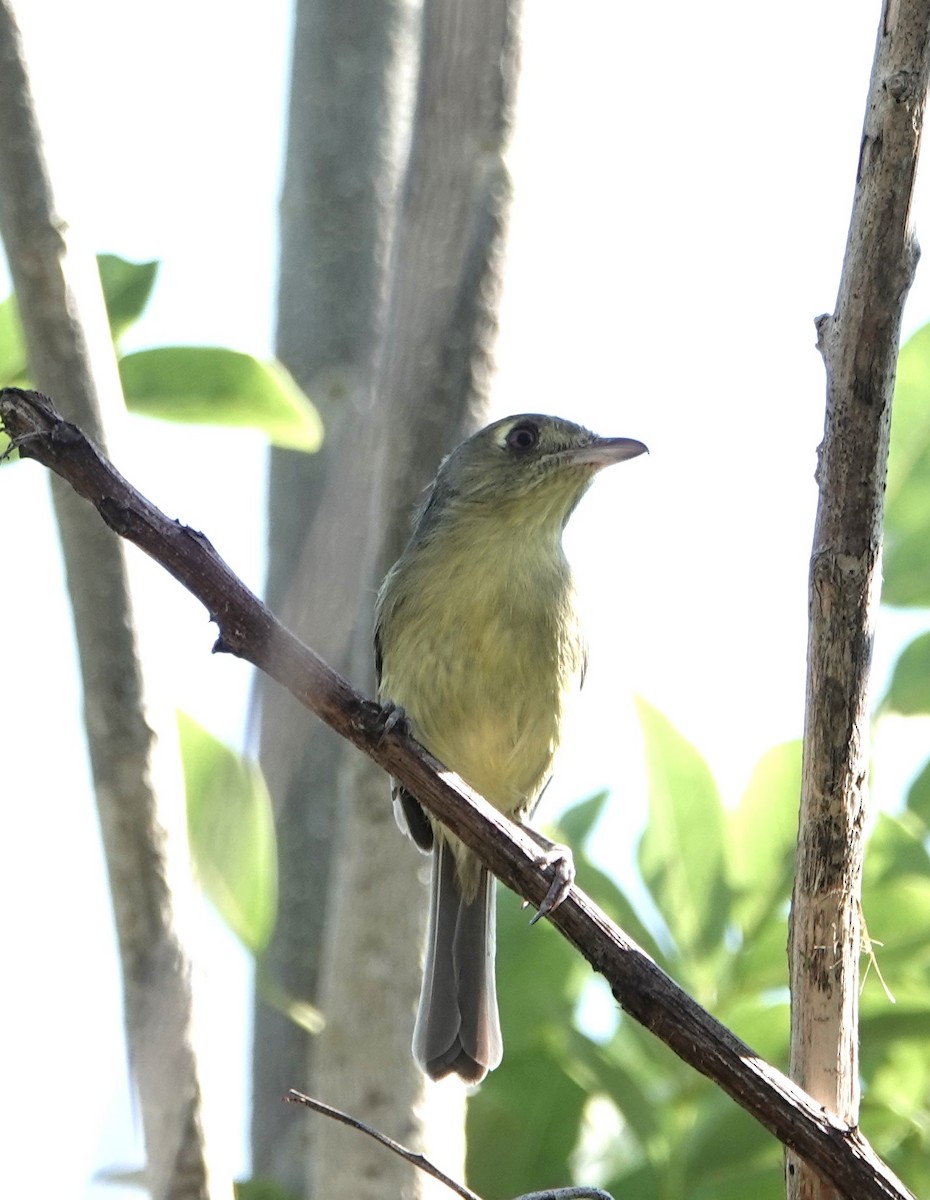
(458, 1027)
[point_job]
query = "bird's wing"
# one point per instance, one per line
(407, 810)
(379, 654)
(409, 815)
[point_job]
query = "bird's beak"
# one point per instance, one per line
(604, 451)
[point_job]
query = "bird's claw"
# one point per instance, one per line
(381, 719)
(563, 876)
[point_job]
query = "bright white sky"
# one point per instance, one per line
(683, 191)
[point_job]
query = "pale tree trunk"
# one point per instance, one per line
(429, 385)
(71, 358)
(430, 302)
(859, 344)
(336, 217)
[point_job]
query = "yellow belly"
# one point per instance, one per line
(484, 666)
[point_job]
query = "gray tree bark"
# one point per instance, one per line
(859, 344)
(138, 786)
(428, 386)
(388, 342)
(337, 211)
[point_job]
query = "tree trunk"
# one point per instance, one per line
(428, 385)
(347, 97)
(433, 318)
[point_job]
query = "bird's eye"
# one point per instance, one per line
(523, 437)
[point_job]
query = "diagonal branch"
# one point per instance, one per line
(248, 629)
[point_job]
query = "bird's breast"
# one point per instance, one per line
(483, 656)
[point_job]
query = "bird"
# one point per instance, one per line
(478, 649)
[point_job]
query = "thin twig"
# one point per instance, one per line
(423, 1163)
(411, 1156)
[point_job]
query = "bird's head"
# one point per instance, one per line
(531, 467)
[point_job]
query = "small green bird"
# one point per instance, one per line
(477, 640)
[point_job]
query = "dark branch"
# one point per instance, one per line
(248, 629)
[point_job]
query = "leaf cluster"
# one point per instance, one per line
(906, 553)
(711, 906)
(191, 384)
(621, 1110)
(229, 817)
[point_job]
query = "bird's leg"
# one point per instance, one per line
(558, 857)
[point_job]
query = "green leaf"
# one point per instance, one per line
(231, 832)
(126, 290)
(762, 1181)
(527, 955)
(12, 363)
(575, 827)
(210, 385)
(681, 854)
(918, 797)
(895, 902)
(763, 1021)
(906, 581)
(607, 895)
(127, 287)
(259, 1188)
(576, 824)
(909, 690)
(894, 851)
(726, 1149)
(760, 964)
(635, 1098)
(762, 832)
(523, 1124)
(12, 345)
(296, 1009)
(907, 496)
(901, 1079)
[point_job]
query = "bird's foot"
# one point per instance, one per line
(563, 876)
(560, 859)
(381, 719)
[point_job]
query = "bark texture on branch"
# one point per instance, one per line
(248, 629)
(859, 344)
(71, 355)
